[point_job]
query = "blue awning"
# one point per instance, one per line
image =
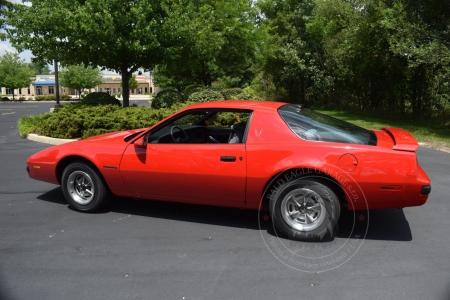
(41, 83)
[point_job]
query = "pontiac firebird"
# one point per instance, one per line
(304, 167)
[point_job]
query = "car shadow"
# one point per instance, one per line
(54, 196)
(383, 224)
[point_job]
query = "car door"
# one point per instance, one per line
(194, 173)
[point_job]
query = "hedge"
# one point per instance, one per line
(167, 98)
(52, 97)
(205, 95)
(100, 98)
(77, 120)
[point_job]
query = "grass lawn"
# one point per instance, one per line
(432, 135)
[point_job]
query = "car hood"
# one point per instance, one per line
(112, 136)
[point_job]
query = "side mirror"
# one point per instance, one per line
(142, 142)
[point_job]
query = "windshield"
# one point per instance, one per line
(313, 126)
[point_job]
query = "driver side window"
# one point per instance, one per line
(204, 127)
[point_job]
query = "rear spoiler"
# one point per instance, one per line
(403, 140)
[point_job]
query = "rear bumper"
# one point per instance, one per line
(425, 190)
(417, 188)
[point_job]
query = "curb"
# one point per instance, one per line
(48, 140)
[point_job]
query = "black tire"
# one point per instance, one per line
(314, 218)
(84, 188)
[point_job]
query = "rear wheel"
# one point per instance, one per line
(84, 188)
(305, 210)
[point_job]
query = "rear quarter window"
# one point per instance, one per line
(313, 126)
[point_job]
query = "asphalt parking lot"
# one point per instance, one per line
(154, 250)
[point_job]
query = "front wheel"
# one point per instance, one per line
(305, 211)
(83, 187)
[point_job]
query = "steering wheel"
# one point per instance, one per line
(182, 139)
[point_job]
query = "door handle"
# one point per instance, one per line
(228, 158)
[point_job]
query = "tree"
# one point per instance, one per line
(14, 72)
(39, 67)
(165, 79)
(3, 6)
(387, 56)
(293, 59)
(117, 35)
(80, 77)
(132, 83)
(213, 39)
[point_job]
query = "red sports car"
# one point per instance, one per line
(302, 166)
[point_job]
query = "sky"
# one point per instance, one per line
(5, 46)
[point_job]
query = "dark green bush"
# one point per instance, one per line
(52, 97)
(77, 120)
(166, 99)
(205, 95)
(230, 94)
(100, 98)
(193, 88)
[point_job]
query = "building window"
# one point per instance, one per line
(151, 90)
(100, 90)
(95, 90)
(114, 90)
(9, 91)
(51, 89)
(145, 90)
(29, 91)
(118, 90)
(132, 91)
(20, 91)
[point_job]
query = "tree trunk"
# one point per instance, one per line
(126, 87)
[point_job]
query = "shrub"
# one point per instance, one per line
(193, 88)
(166, 99)
(30, 98)
(83, 94)
(230, 94)
(76, 120)
(205, 95)
(99, 98)
(52, 97)
(22, 98)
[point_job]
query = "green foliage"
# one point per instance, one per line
(80, 77)
(230, 94)
(166, 99)
(99, 98)
(39, 67)
(165, 78)
(193, 88)
(132, 83)
(219, 38)
(205, 96)
(14, 72)
(78, 120)
(52, 97)
(112, 34)
(83, 94)
(387, 56)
